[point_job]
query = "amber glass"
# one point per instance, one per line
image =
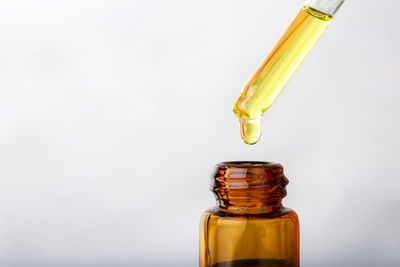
(249, 226)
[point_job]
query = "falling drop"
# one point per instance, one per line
(250, 129)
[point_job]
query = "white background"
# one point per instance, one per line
(114, 113)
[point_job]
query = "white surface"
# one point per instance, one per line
(98, 167)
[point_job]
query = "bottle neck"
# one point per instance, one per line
(249, 186)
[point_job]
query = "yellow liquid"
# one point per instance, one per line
(276, 70)
(227, 239)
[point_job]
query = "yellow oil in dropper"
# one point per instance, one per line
(276, 70)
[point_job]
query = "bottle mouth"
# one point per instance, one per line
(247, 164)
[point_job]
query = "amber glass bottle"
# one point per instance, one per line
(249, 226)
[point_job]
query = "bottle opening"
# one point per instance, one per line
(247, 163)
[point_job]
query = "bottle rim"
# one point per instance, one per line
(248, 164)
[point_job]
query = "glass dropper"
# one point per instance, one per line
(280, 64)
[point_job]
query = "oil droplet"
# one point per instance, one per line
(250, 129)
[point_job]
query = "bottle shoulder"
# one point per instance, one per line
(219, 212)
(292, 215)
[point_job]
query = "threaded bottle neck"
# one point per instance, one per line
(248, 185)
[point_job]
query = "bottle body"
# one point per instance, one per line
(250, 226)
